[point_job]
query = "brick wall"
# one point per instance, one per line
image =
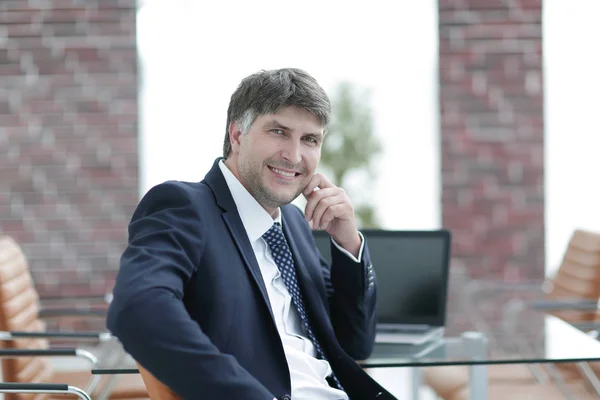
(491, 99)
(68, 136)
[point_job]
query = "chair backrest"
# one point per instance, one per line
(579, 274)
(156, 389)
(19, 308)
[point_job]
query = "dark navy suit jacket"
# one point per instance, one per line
(190, 304)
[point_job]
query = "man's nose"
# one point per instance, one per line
(292, 152)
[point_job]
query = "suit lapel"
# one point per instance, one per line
(232, 220)
(235, 226)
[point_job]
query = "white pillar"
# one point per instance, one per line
(572, 127)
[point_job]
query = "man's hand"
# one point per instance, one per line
(329, 208)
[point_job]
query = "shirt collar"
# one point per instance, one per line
(255, 218)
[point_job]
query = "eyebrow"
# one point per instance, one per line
(276, 124)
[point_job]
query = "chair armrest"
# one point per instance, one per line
(50, 388)
(568, 304)
(52, 352)
(72, 312)
(100, 336)
(114, 371)
(100, 298)
(9, 353)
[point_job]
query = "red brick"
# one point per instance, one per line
(492, 162)
(53, 125)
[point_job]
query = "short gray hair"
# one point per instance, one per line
(266, 92)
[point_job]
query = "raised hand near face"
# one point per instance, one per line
(329, 208)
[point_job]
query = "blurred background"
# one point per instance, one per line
(479, 116)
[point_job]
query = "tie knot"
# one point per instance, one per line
(274, 236)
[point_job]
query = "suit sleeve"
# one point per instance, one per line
(147, 314)
(352, 292)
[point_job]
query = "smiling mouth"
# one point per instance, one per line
(285, 174)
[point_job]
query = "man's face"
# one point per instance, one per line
(278, 155)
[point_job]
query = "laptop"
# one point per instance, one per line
(412, 282)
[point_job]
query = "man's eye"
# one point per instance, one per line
(277, 131)
(310, 139)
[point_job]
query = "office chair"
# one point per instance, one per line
(23, 329)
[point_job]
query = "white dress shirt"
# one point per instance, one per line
(307, 372)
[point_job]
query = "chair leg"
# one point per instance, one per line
(590, 376)
(43, 388)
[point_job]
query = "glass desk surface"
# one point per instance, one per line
(514, 334)
(556, 341)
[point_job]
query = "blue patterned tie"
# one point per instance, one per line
(283, 258)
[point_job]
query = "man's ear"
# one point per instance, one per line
(235, 135)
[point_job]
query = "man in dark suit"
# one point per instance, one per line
(222, 293)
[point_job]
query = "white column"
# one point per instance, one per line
(572, 125)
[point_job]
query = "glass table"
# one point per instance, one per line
(556, 342)
(482, 328)
(559, 342)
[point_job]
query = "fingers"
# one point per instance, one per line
(325, 205)
(330, 214)
(327, 210)
(317, 181)
(314, 198)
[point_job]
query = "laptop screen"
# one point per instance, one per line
(412, 274)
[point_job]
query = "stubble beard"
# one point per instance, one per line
(251, 174)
